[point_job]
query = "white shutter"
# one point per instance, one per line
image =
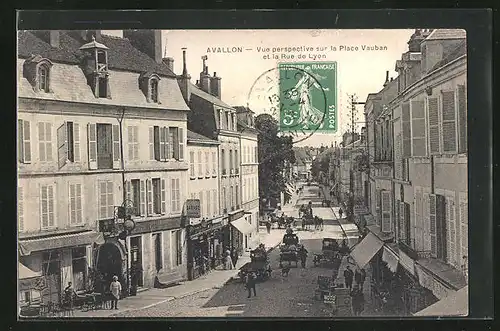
(163, 143)
(406, 129)
(128, 184)
(462, 119)
(378, 208)
(116, 146)
(111, 198)
(20, 208)
(214, 163)
(149, 197)
(50, 201)
(433, 122)
(207, 163)
(143, 198)
(163, 197)
(24, 141)
(62, 145)
(426, 222)
(48, 141)
(386, 211)
(180, 139)
(433, 223)
(79, 208)
(452, 239)
(168, 144)
(72, 203)
(151, 143)
(92, 145)
(130, 143)
(463, 225)
(401, 220)
(136, 143)
(448, 120)
(418, 128)
(76, 141)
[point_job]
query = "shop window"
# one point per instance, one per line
(177, 248)
(51, 263)
(79, 262)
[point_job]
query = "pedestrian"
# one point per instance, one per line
(115, 289)
(69, 295)
(250, 284)
(348, 275)
(228, 260)
(340, 213)
(303, 256)
(234, 257)
(358, 300)
(357, 277)
(268, 226)
(363, 278)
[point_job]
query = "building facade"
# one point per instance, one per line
(214, 119)
(115, 138)
(205, 237)
(249, 172)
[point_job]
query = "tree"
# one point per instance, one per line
(321, 164)
(274, 153)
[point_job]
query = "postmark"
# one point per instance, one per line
(302, 97)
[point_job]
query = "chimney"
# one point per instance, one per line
(386, 78)
(54, 38)
(204, 76)
(49, 36)
(184, 80)
(169, 62)
(147, 41)
(215, 88)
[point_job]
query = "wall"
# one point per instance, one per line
(229, 143)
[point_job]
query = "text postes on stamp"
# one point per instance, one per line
(308, 95)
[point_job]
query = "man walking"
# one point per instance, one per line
(250, 284)
(116, 289)
(303, 256)
(340, 213)
(358, 301)
(348, 275)
(234, 257)
(268, 226)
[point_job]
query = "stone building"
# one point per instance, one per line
(101, 124)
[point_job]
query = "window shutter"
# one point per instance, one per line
(72, 203)
(48, 140)
(452, 240)
(386, 211)
(433, 120)
(50, 200)
(406, 129)
(116, 146)
(397, 157)
(377, 208)
(79, 209)
(463, 225)
(76, 141)
(449, 131)
(92, 145)
(20, 208)
(462, 119)
(62, 145)
(151, 144)
(433, 223)
(44, 220)
(418, 128)
(136, 143)
(441, 227)
(20, 141)
(163, 197)
(426, 224)
(130, 143)
(175, 143)
(143, 198)
(401, 213)
(149, 197)
(207, 163)
(163, 143)
(128, 185)
(181, 144)
(168, 144)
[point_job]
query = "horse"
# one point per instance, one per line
(318, 223)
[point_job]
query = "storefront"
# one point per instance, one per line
(240, 231)
(205, 246)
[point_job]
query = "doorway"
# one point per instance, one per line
(137, 278)
(109, 264)
(158, 256)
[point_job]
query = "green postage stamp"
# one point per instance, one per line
(308, 94)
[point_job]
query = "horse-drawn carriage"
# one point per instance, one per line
(282, 220)
(330, 253)
(290, 248)
(259, 264)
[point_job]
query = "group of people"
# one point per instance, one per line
(356, 290)
(230, 259)
(115, 289)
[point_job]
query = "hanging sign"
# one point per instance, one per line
(193, 208)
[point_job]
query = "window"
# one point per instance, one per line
(208, 210)
(237, 196)
(104, 146)
(231, 196)
(406, 130)
(156, 196)
(177, 141)
(192, 173)
(462, 118)
(418, 135)
(101, 60)
(231, 169)
(214, 163)
(207, 164)
(79, 263)
(154, 90)
(47, 196)
(75, 204)
(134, 196)
(175, 196)
(24, 141)
(68, 143)
(51, 263)
(215, 202)
(236, 162)
(404, 223)
(20, 209)
(226, 122)
(200, 164)
(45, 141)
(103, 88)
(133, 143)
(223, 161)
(224, 199)
(43, 78)
(106, 200)
(437, 226)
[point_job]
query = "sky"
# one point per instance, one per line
(360, 72)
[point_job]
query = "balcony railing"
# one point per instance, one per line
(224, 172)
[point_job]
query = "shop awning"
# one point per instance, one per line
(366, 249)
(389, 257)
(25, 272)
(242, 225)
(26, 247)
(456, 304)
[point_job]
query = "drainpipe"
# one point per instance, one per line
(432, 174)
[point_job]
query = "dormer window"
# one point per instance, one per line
(149, 84)
(36, 70)
(95, 68)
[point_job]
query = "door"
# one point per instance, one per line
(136, 261)
(158, 251)
(104, 146)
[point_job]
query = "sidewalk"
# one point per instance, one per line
(214, 279)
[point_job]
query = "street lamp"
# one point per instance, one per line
(124, 212)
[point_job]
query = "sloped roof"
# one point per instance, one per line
(452, 53)
(208, 97)
(439, 34)
(191, 135)
(122, 54)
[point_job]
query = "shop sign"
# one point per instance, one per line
(193, 208)
(236, 216)
(432, 284)
(204, 226)
(195, 221)
(407, 262)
